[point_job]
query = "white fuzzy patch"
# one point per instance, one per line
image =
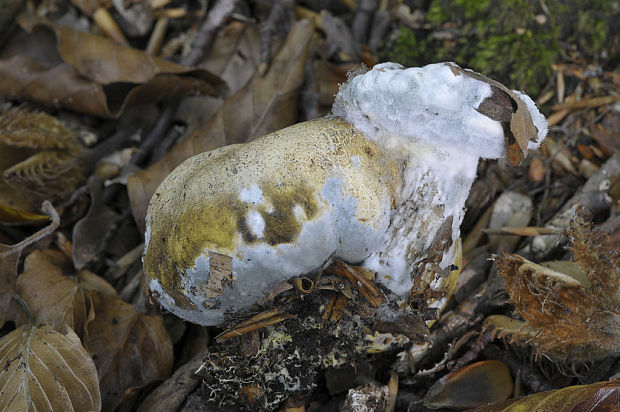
(435, 187)
(256, 223)
(147, 235)
(355, 161)
(427, 104)
(253, 195)
(300, 214)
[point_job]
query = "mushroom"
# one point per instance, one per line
(379, 182)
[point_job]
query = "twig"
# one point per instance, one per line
(361, 20)
(157, 36)
(204, 39)
(380, 26)
(155, 135)
(167, 142)
(112, 143)
(281, 11)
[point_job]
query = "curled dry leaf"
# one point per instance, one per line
(91, 232)
(601, 396)
(55, 298)
(265, 104)
(474, 385)
(10, 254)
(131, 350)
(45, 370)
(59, 66)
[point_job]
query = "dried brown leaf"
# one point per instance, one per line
(601, 396)
(9, 258)
(53, 297)
(59, 66)
(265, 104)
(131, 350)
(474, 385)
(45, 370)
(235, 54)
(91, 232)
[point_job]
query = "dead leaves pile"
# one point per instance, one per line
(78, 343)
(81, 317)
(62, 67)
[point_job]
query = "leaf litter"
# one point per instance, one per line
(517, 302)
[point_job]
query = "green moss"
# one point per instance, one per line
(513, 41)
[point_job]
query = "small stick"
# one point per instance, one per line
(204, 39)
(157, 36)
(106, 23)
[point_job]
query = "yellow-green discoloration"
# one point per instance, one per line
(281, 224)
(198, 207)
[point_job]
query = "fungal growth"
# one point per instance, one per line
(380, 182)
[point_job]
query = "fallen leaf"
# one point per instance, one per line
(235, 54)
(91, 232)
(601, 396)
(45, 370)
(329, 77)
(474, 385)
(9, 258)
(59, 66)
(52, 297)
(131, 350)
(265, 104)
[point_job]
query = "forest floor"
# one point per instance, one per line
(99, 101)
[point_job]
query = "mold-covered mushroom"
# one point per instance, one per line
(378, 182)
